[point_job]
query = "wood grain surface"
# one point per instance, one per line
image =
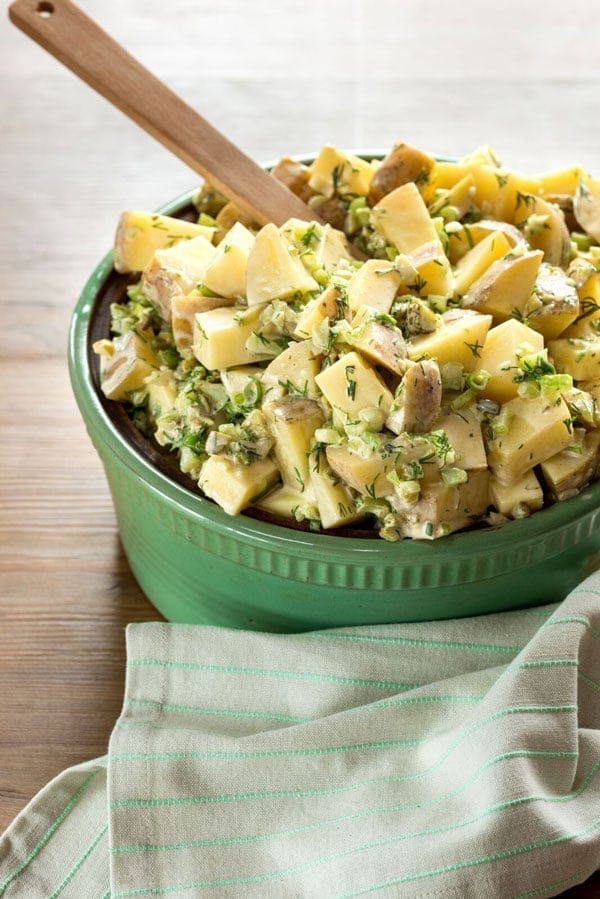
(276, 78)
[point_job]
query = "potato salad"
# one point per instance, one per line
(421, 357)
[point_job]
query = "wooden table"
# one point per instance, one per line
(522, 77)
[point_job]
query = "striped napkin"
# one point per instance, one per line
(457, 758)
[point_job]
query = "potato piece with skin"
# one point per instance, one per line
(459, 338)
(228, 216)
(125, 369)
(183, 313)
(474, 263)
(543, 227)
(402, 164)
(273, 271)
(554, 303)
(225, 274)
(503, 347)
(233, 486)
(404, 221)
(294, 175)
(586, 206)
(419, 401)
(293, 370)
(538, 429)
(330, 304)
(176, 271)
(140, 234)
(442, 509)
(350, 385)
(518, 499)
(380, 341)
(374, 284)
(567, 473)
(505, 288)
(366, 476)
(576, 356)
(293, 421)
(220, 335)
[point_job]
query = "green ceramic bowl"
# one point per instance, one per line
(197, 564)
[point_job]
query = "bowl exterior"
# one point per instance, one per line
(198, 565)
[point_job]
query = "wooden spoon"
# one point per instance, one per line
(66, 32)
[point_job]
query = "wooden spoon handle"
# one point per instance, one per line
(66, 32)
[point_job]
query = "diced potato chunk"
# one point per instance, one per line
(127, 368)
(379, 341)
(402, 164)
(577, 356)
(554, 304)
(234, 486)
(176, 271)
(183, 313)
(460, 197)
(220, 335)
(162, 392)
(586, 205)
(561, 181)
(442, 509)
(543, 227)
(433, 270)
(374, 284)
(403, 219)
(474, 263)
(321, 245)
(539, 428)
(463, 430)
(226, 272)
(350, 384)
(462, 237)
(505, 288)
(367, 476)
(293, 370)
(459, 338)
(293, 421)
(496, 189)
(236, 380)
(518, 499)
(587, 323)
(334, 500)
(274, 270)
(329, 304)
(418, 400)
(567, 472)
(336, 172)
(286, 502)
(503, 347)
(140, 234)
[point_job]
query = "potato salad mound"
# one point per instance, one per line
(421, 358)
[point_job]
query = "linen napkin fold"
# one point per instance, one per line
(456, 758)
